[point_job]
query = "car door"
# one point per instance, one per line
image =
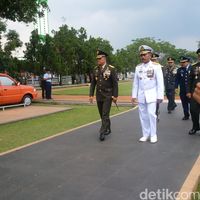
(9, 91)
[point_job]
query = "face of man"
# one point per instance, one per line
(170, 63)
(145, 58)
(101, 60)
(184, 64)
(154, 60)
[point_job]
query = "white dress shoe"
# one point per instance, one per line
(154, 139)
(143, 139)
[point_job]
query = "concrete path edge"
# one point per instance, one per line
(191, 183)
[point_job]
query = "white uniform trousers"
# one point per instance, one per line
(148, 118)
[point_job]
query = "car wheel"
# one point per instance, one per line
(27, 100)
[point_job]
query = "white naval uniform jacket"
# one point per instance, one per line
(148, 84)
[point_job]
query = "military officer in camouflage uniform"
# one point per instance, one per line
(196, 94)
(182, 80)
(194, 78)
(104, 78)
(170, 80)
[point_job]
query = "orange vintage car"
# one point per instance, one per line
(12, 92)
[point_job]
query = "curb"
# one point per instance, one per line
(191, 183)
(76, 102)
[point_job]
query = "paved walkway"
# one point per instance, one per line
(22, 113)
(76, 166)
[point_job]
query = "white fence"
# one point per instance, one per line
(66, 80)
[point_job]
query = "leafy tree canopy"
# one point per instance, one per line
(21, 10)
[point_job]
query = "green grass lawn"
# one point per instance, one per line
(197, 194)
(23, 132)
(125, 88)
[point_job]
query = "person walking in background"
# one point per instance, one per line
(182, 81)
(170, 83)
(42, 85)
(104, 78)
(148, 89)
(47, 78)
(154, 58)
(194, 78)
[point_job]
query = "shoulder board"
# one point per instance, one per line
(111, 66)
(95, 67)
(155, 63)
(196, 63)
(138, 65)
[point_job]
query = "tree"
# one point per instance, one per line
(21, 10)
(12, 43)
(33, 53)
(128, 57)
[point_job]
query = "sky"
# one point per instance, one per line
(121, 21)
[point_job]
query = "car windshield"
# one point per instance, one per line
(6, 81)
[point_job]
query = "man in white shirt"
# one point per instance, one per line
(148, 89)
(47, 78)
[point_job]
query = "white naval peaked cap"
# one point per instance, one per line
(143, 49)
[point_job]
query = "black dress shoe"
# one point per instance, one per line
(169, 111)
(107, 132)
(102, 137)
(185, 118)
(174, 107)
(192, 131)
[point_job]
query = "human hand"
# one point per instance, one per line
(134, 101)
(91, 99)
(189, 95)
(114, 99)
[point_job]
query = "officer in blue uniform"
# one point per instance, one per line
(182, 81)
(170, 80)
(194, 78)
(104, 78)
(48, 79)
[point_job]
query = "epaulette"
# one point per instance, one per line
(196, 63)
(138, 65)
(155, 63)
(95, 67)
(111, 66)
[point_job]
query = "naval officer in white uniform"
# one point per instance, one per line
(148, 89)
